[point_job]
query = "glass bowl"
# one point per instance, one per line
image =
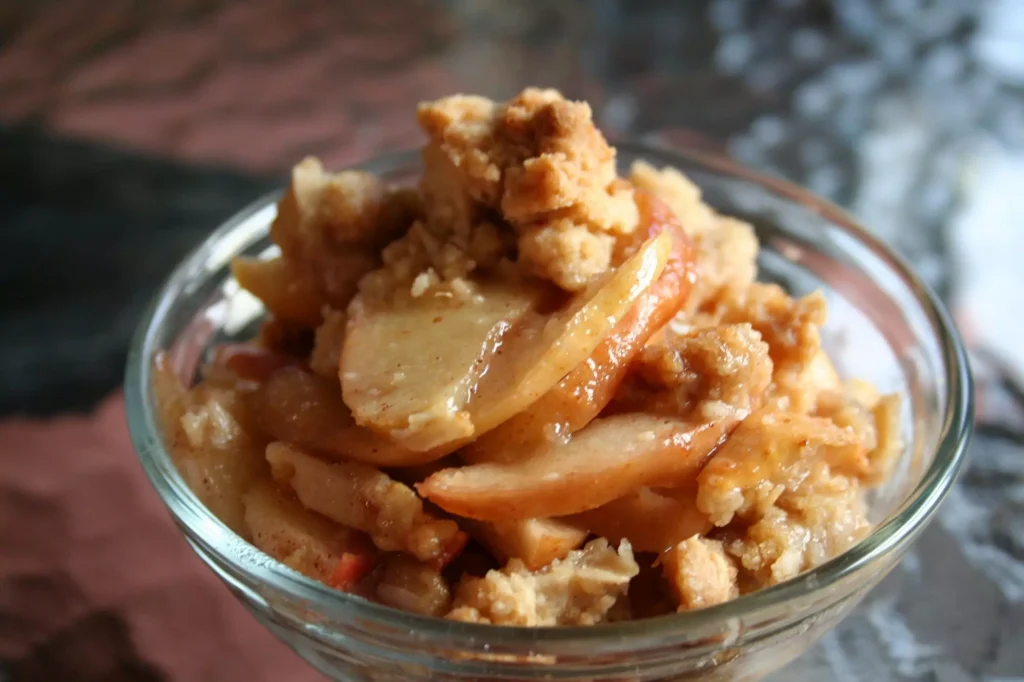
(884, 326)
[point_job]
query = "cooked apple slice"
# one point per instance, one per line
(288, 292)
(431, 371)
(366, 499)
(652, 520)
(307, 542)
(210, 441)
(295, 406)
(537, 361)
(537, 542)
(408, 370)
(608, 459)
(581, 395)
(247, 362)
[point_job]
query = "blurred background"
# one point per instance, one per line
(129, 129)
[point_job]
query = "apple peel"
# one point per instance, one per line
(608, 459)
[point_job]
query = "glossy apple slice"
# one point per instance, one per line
(287, 291)
(581, 395)
(608, 459)
(408, 369)
(537, 542)
(537, 363)
(295, 406)
(652, 520)
(307, 542)
(431, 371)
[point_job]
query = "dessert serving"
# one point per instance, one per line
(527, 391)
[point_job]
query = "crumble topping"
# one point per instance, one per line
(408, 323)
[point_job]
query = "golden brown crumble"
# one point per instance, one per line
(791, 328)
(701, 573)
(371, 435)
(708, 372)
(874, 418)
(810, 521)
(768, 454)
(332, 227)
(580, 589)
(537, 160)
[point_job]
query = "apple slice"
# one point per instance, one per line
(295, 406)
(608, 459)
(568, 338)
(537, 542)
(652, 520)
(581, 395)
(248, 362)
(306, 542)
(287, 291)
(408, 370)
(432, 371)
(363, 498)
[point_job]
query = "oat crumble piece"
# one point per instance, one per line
(569, 253)
(579, 590)
(818, 518)
(700, 573)
(792, 329)
(768, 454)
(706, 372)
(332, 226)
(678, 192)
(538, 161)
(324, 211)
(876, 421)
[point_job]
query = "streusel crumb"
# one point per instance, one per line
(580, 589)
(538, 160)
(700, 573)
(706, 370)
(811, 521)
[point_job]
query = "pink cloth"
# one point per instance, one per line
(96, 581)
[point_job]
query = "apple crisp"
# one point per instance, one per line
(527, 390)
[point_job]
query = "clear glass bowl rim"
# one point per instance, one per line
(894, 534)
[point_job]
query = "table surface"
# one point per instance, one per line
(129, 130)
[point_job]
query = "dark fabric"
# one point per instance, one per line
(87, 234)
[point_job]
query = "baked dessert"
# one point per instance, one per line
(527, 391)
